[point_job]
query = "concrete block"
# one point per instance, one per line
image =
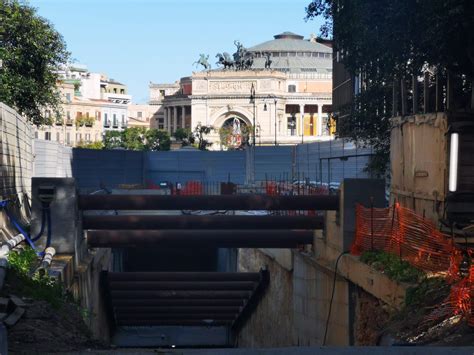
(4, 304)
(14, 317)
(64, 213)
(354, 191)
(17, 301)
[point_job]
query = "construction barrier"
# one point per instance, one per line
(400, 231)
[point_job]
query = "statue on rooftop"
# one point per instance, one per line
(204, 61)
(225, 60)
(268, 61)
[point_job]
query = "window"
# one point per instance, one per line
(68, 97)
(47, 136)
(123, 120)
(115, 90)
(68, 138)
(36, 135)
(284, 54)
(78, 137)
(106, 120)
(88, 137)
(115, 120)
(162, 93)
(292, 54)
(291, 88)
(139, 114)
(275, 54)
(87, 114)
(68, 115)
(122, 91)
(58, 136)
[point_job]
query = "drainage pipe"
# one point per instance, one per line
(4, 251)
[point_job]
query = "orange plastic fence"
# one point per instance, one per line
(400, 231)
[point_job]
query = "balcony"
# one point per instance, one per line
(59, 122)
(117, 98)
(107, 124)
(115, 125)
(69, 122)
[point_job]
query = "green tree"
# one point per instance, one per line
(113, 140)
(199, 133)
(133, 138)
(157, 140)
(185, 136)
(32, 52)
(382, 40)
(92, 145)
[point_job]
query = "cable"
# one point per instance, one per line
(332, 295)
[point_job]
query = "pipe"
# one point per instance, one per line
(46, 262)
(202, 222)
(269, 238)
(220, 202)
(4, 251)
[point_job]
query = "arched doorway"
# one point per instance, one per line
(234, 133)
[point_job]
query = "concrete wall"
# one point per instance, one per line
(294, 309)
(114, 167)
(16, 157)
(52, 159)
(419, 158)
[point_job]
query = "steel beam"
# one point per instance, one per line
(202, 222)
(209, 238)
(220, 202)
(139, 295)
(177, 317)
(139, 309)
(184, 276)
(178, 302)
(141, 322)
(183, 285)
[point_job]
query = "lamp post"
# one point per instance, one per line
(276, 121)
(252, 101)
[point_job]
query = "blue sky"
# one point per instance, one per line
(138, 41)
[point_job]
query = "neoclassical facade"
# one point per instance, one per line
(287, 103)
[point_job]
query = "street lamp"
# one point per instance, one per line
(265, 109)
(252, 101)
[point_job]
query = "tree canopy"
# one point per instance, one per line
(386, 39)
(137, 138)
(31, 52)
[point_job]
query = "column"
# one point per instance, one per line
(175, 118)
(320, 120)
(165, 118)
(168, 120)
(183, 117)
(302, 120)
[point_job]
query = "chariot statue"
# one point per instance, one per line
(225, 60)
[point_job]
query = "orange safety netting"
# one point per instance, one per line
(400, 231)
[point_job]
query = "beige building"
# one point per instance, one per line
(91, 105)
(142, 115)
(287, 103)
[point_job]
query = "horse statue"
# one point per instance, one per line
(204, 61)
(224, 60)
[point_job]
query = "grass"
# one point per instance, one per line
(21, 280)
(394, 267)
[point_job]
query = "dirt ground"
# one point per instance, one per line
(44, 329)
